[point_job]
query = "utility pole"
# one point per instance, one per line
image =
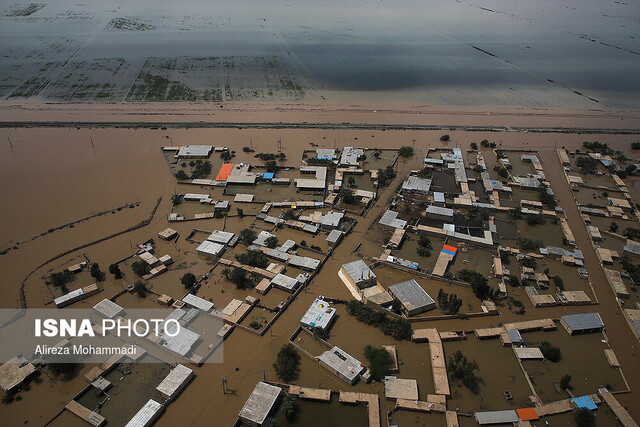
(264, 374)
(93, 146)
(279, 144)
(224, 385)
(10, 144)
(251, 139)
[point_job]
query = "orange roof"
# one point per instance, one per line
(225, 170)
(527, 414)
(450, 248)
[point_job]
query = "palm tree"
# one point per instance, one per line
(226, 272)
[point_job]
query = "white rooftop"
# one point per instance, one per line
(319, 315)
(259, 404)
(108, 308)
(197, 302)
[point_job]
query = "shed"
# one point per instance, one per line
(413, 298)
(497, 417)
(146, 415)
(167, 234)
(108, 309)
(284, 282)
(224, 172)
(210, 248)
(583, 323)
(259, 404)
(221, 237)
(334, 237)
(400, 388)
(194, 151)
(584, 402)
(197, 302)
(173, 383)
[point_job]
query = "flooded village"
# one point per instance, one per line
(469, 265)
(341, 213)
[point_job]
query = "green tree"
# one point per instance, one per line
(287, 363)
(614, 227)
(584, 417)
(289, 215)
(347, 196)
(95, 272)
(565, 382)
(406, 151)
(351, 181)
(271, 242)
(423, 251)
(182, 175)
(115, 270)
(271, 166)
(445, 137)
(479, 283)
(247, 236)
(240, 212)
(550, 352)
(463, 369)
(140, 289)
(253, 258)
(239, 278)
(188, 280)
(289, 408)
(225, 155)
(474, 146)
(379, 361)
(140, 268)
(176, 199)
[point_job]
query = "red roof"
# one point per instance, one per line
(527, 414)
(225, 170)
(450, 248)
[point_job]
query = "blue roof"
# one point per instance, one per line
(448, 252)
(584, 402)
(267, 175)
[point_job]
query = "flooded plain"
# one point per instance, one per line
(499, 53)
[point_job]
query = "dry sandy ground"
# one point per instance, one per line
(53, 176)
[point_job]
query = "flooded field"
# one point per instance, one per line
(67, 52)
(331, 413)
(582, 358)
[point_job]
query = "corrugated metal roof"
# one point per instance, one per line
(359, 271)
(259, 404)
(497, 417)
(411, 295)
(583, 321)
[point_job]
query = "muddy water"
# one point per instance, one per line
(582, 357)
(128, 166)
(327, 413)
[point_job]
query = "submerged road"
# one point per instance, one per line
(617, 329)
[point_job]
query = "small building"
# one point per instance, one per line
(258, 406)
(197, 302)
(439, 212)
(166, 260)
(194, 151)
(76, 295)
(304, 262)
(413, 298)
(319, 315)
(334, 237)
(209, 248)
(14, 372)
(285, 282)
(400, 388)
(221, 237)
(261, 239)
(342, 364)
(243, 198)
(528, 353)
(508, 416)
(632, 248)
(415, 185)
(108, 309)
(359, 274)
(167, 234)
(390, 219)
(173, 383)
(146, 415)
(583, 323)
(331, 220)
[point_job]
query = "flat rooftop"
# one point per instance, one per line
(342, 362)
(259, 404)
(411, 295)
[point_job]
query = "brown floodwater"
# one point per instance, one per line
(73, 181)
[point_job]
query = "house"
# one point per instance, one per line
(413, 298)
(359, 274)
(415, 185)
(319, 315)
(342, 364)
(583, 323)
